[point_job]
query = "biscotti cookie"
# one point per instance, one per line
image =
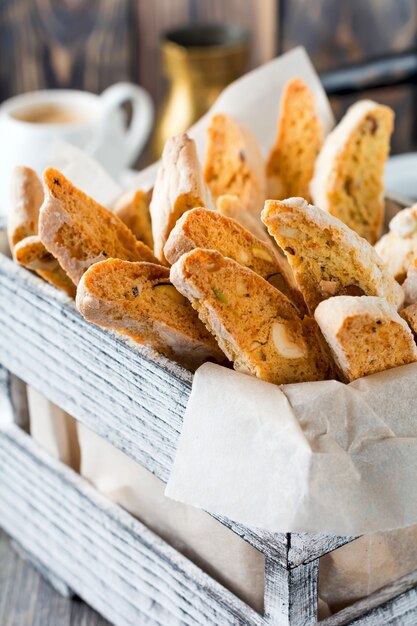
(256, 326)
(207, 229)
(22, 227)
(300, 135)
(409, 314)
(32, 254)
(79, 232)
(398, 247)
(26, 200)
(138, 300)
(327, 257)
(366, 335)
(133, 209)
(348, 177)
(234, 164)
(231, 206)
(410, 284)
(179, 187)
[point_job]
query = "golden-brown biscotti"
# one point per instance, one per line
(133, 209)
(179, 187)
(138, 300)
(409, 314)
(327, 257)
(256, 326)
(410, 284)
(365, 334)
(230, 206)
(199, 228)
(32, 254)
(234, 164)
(79, 232)
(398, 247)
(348, 177)
(26, 200)
(300, 135)
(22, 228)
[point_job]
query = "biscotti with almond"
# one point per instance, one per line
(256, 326)
(207, 229)
(300, 135)
(348, 177)
(138, 300)
(32, 254)
(78, 231)
(398, 247)
(179, 187)
(133, 209)
(326, 256)
(234, 163)
(366, 335)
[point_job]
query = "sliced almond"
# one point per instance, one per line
(285, 345)
(261, 253)
(288, 232)
(328, 287)
(241, 288)
(171, 292)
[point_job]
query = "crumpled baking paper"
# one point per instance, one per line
(320, 457)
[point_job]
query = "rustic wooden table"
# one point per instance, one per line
(26, 599)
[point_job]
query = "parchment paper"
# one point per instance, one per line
(310, 457)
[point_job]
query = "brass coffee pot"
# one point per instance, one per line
(199, 61)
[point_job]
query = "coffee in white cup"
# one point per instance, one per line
(30, 123)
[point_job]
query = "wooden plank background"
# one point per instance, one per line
(90, 44)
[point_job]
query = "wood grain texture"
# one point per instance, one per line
(131, 576)
(26, 599)
(156, 17)
(339, 33)
(291, 597)
(126, 393)
(108, 558)
(83, 44)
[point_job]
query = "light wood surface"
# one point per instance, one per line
(27, 599)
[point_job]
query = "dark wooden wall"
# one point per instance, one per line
(92, 43)
(340, 32)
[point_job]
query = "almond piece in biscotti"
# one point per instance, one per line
(79, 232)
(255, 325)
(326, 257)
(349, 171)
(234, 163)
(300, 135)
(138, 300)
(179, 187)
(366, 335)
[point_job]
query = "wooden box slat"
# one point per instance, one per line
(107, 557)
(142, 395)
(91, 545)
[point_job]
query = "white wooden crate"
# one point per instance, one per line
(136, 400)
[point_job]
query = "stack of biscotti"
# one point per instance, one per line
(285, 290)
(23, 226)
